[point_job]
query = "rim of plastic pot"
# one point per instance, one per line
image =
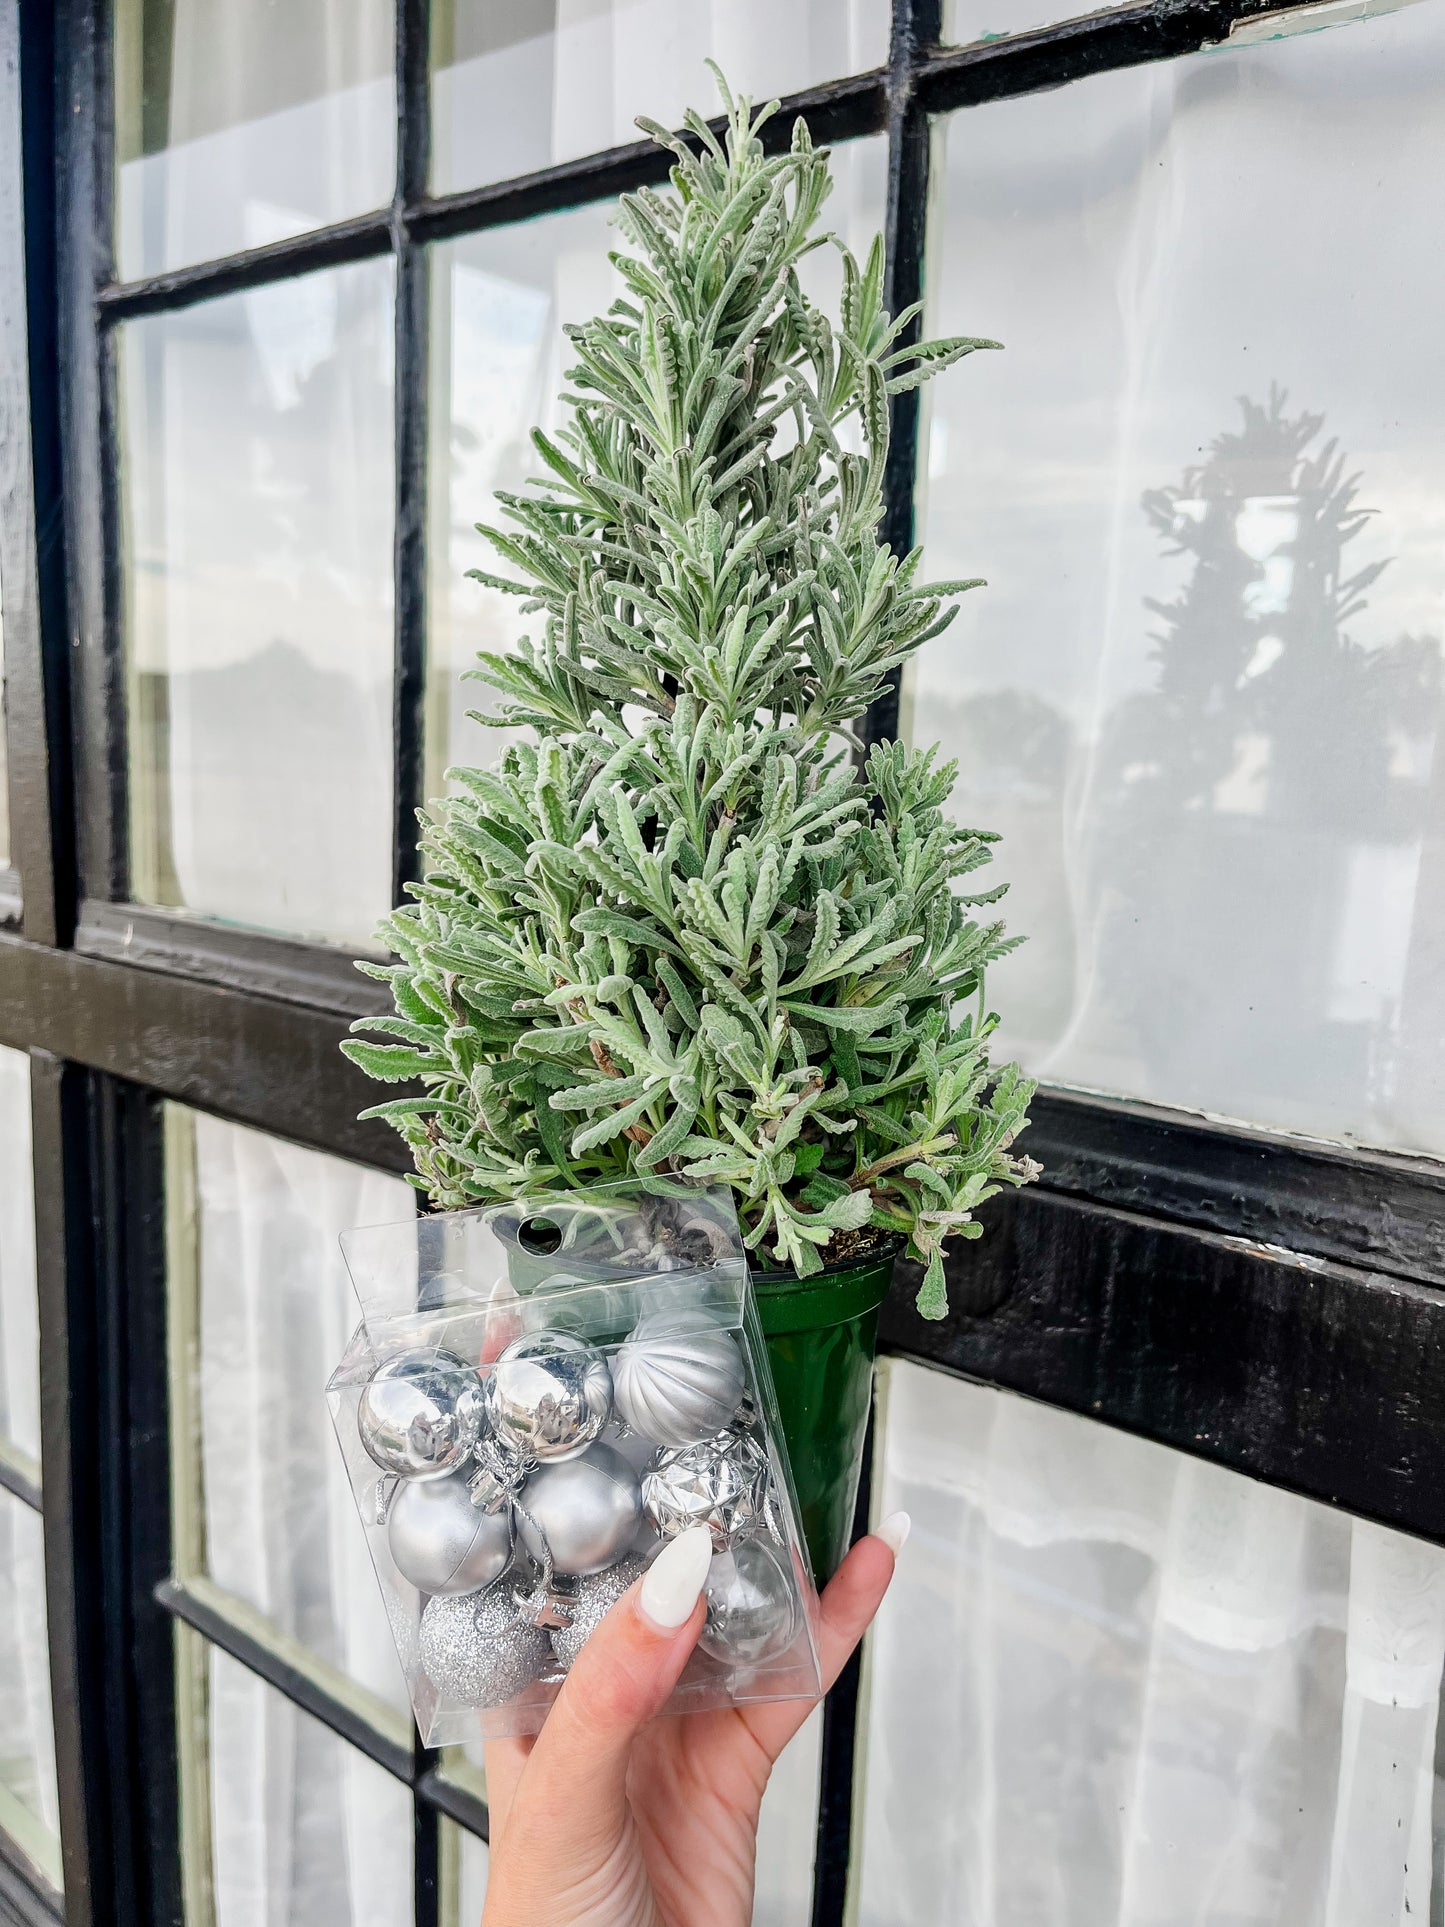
(832, 1296)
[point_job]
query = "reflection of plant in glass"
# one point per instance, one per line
(1267, 713)
(680, 931)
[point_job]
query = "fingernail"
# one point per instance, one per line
(894, 1531)
(675, 1579)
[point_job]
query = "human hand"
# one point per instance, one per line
(611, 1818)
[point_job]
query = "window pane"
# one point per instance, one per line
(240, 122)
(4, 752)
(284, 1821)
(19, 1328)
(968, 20)
(464, 1876)
(1201, 695)
(788, 1832)
(527, 83)
(28, 1808)
(261, 1311)
(1115, 1684)
(498, 356)
(258, 474)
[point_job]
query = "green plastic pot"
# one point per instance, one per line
(822, 1336)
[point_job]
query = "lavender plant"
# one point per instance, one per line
(677, 927)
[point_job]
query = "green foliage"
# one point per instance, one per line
(679, 929)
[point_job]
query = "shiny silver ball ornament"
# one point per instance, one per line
(721, 1484)
(582, 1514)
(593, 1599)
(442, 1542)
(549, 1395)
(679, 1377)
(752, 1605)
(477, 1650)
(421, 1414)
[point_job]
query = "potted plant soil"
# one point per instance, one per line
(687, 925)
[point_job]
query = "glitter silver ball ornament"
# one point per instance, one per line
(752, 1606)
(549, 1395)
(442, 1542)
(594, 1598)
(679, 1377)
(582, 1514)
(721, 1484)
(421, 1414)
(477, 1650)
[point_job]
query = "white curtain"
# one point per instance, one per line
(303, 1826)
(1114, 1686)
(19, 1330)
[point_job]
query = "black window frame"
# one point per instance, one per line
(1268, 1303)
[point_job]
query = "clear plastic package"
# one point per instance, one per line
(538, 1396)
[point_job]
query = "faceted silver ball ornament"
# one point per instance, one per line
(679, 1378)
(421, 1414)
(477, 1650)
(549, 1395)
(583, 1513)
(443, 1543)
(596, 1596)
(752, 1607)
(721, 1484)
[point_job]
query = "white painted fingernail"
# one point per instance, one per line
(894, 1531)
(675, 1579)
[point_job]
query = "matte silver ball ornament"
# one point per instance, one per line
(594, 1598)
(549, 1395)
(679, 1377)
(477, 1649)
(442, 1542)
(581, 1514)
(721, 1484)
(421, 1414)
(752, 1605)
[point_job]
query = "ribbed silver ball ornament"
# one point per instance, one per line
(477, 1650)
(752, 1605)
(549, 1395)
(594, 1599)
(679, 1377)
(581, 1515)
(442, 1542)
(421, 1414)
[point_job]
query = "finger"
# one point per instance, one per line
(619, 1680)
(505, 1760)
(846, 1610)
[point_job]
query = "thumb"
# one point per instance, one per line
(620, 1679)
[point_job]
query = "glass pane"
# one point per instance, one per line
(4, 753)
(240, 122)
(498, 355)
(1201, 695)
(1112, 1684)
(527, 83)
(261, 1312)
(284, 1821)
(258, 483)
(788, 1832)
(969, 20)
(19, 1327)
(464, 1876)
(28, 1809)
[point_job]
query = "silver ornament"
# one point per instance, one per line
(421, 1414)
(640, 1453)
(477, 1650)
(581, 1515)
(721, 1484)
(442, 1542)
(594, 1597)
(549, 1395)
(752, 1605)
(679, 1377)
